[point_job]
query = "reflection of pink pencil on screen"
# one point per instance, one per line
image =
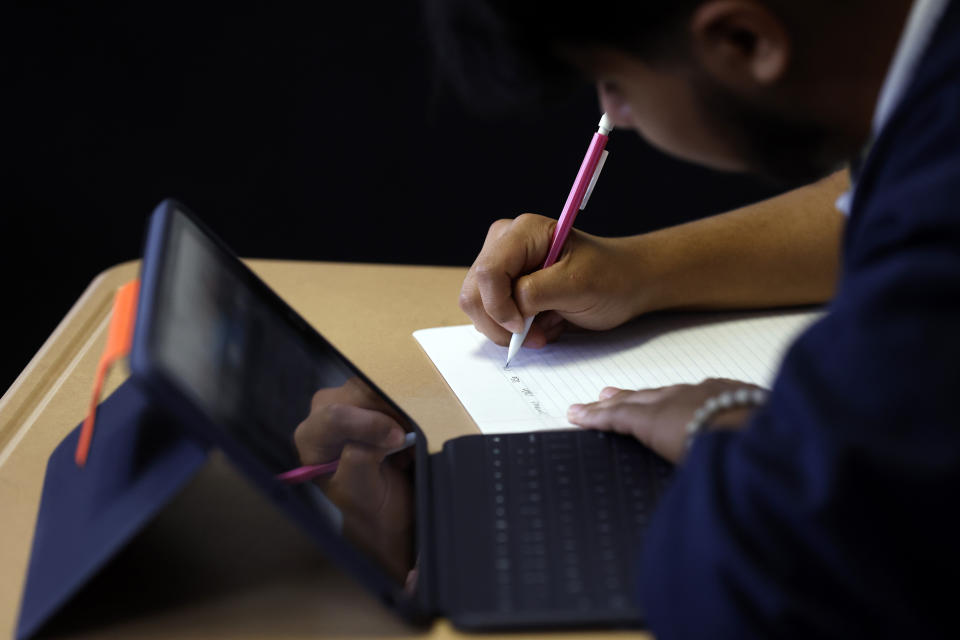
(309, 472)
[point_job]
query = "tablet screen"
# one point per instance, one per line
(283, 394)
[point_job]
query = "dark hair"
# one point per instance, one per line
(499, 54)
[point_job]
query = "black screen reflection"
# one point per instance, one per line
(288, 400)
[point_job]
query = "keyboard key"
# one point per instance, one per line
(575, 504)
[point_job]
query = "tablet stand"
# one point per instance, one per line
(88, 514)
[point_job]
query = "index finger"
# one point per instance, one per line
(321, 437)
(357, 393)
(509, 252)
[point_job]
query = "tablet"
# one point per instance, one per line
(238, 368)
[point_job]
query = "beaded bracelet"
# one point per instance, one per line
(742, 397)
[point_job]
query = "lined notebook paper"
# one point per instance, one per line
(540, 384)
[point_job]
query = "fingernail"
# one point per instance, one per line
(396, 438)
(576, 411)
(535, 342)
(608, 392)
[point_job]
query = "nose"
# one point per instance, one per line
(614, 104)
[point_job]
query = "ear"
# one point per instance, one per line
(742, 43)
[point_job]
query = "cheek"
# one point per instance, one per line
(672, 120)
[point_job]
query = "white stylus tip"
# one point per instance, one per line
(516, 341)
(606, 125)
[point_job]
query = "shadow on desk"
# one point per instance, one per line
(220, 558)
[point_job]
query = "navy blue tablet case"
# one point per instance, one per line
(139, 461)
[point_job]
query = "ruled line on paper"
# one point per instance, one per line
(540, 384)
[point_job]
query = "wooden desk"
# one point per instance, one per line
(220, 561)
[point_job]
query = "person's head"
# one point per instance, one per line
(780, 87)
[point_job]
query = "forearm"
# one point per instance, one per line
(779, 252)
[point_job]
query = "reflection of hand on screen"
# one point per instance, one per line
(350, 413)
(374, 492)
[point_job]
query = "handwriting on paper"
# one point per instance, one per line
(528, 395)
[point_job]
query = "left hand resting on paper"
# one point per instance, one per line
(658, 417)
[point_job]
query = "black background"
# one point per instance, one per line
(315, 133)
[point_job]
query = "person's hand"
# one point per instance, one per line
(372, 491)
(658, 417)
(592, 285)
(345, 416)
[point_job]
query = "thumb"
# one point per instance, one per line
(549, 289)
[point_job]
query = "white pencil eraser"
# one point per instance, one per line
(606, 125)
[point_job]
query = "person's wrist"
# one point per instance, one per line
(730, 418)
(649, 266)
(717, 411)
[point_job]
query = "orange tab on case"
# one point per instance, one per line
(119, 339)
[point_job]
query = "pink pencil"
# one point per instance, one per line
(576, 202)
(309, 472)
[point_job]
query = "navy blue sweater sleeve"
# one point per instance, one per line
(832, 515)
